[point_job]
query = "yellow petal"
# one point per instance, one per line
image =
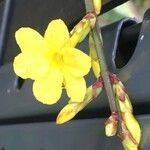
(27, 66)
(30, 40)
(56, 34)
(76, 87)
(48, 89)
(76, 62)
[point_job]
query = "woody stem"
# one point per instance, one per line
(113, 104)
(104, 69)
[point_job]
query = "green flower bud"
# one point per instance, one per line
(111, 125)
(97, 6)
(131, 133)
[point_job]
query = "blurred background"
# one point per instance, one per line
(132, 8)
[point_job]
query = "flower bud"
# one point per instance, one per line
(91, 17)
(126, 105)
(120, 93)
(128, 144)
(131, 132)
(111, 125)
(67, 113)
(122, 97)
(93, 55)
(72, 108)
(80, 31)
(97, 6)
(114, 79)
(97, 87)
(132, 125)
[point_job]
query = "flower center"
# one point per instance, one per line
(58, 59)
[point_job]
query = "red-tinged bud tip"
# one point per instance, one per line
(111, 124)
(114, 114)
(113, 118)
(122, 97)
(114, 79)
(99, 83)
(90, 15)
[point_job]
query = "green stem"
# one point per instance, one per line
(113, 104)
(104, 70)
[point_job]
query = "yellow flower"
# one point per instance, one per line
(52, 62)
